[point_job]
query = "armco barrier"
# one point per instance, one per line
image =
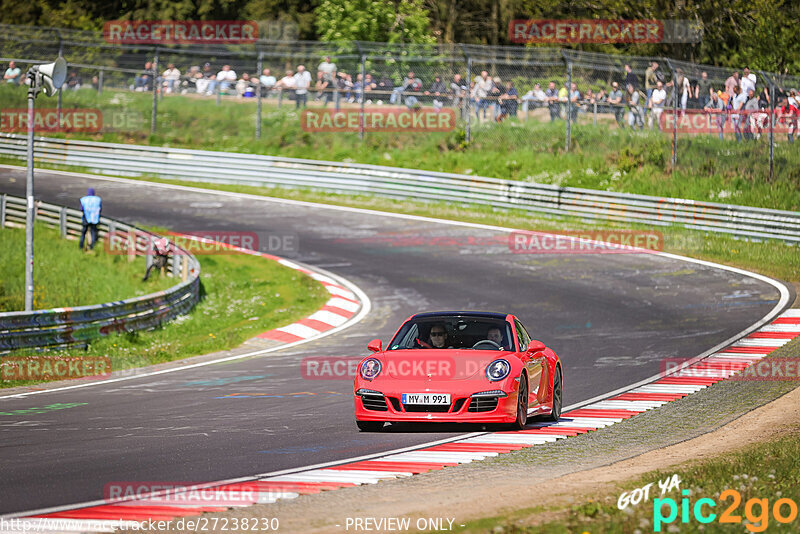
(71, 326)
(267, 171)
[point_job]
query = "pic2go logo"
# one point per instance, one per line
(756, 511)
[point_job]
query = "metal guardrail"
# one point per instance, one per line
(350, 178)
(72, 326)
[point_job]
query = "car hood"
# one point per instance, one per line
(439, 365)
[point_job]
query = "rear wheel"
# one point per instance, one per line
(522, 404)
(369, 426)
(555, 413)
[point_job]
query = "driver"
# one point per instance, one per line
(496, 335)
(438, 337)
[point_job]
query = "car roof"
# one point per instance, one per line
(489, 315)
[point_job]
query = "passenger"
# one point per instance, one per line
(496, 335)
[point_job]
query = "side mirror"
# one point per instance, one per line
(535, 346)
(375, 345)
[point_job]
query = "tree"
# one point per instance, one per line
(403, 21)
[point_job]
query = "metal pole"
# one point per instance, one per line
(2, 211)
(363, 81)
(468, 98)
(569, 104)
(30, 211)
(99, 82)
(155, 93)
(771, 130)
(60, 54)
(258, 95)
(674, 115)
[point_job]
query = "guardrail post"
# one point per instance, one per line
(148, 252)
(177, 260)
(258, 94)
(62, 222)
(185, 270)
(155, 93)
(2, 211)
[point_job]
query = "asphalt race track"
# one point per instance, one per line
(611, 318)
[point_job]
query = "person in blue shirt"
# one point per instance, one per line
(91, 207)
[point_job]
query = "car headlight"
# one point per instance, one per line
(498, 370)
(370, 369)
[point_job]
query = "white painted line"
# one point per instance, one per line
(327, 317)
(792, 312)
(789, 328)
(299, 330)
(342, 292)
(739, 356)
(380, 474)
(524, 439)
(443, 457)
(323, 278)
(634, 406)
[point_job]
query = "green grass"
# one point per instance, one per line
(241, 296)
(602, 157)
(66, 276)
(769, 470)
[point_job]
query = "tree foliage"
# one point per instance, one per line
(403, 21)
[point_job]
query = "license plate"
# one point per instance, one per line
(426, 398)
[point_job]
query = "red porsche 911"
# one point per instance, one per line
(468, 367)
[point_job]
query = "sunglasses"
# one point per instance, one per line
(437, 334)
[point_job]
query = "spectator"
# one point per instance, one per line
(13, 73)
(483, 86)
(322, 87)
(358, 88)
(703, 90)
(189, 83)
(267, 80)
(494, 95)
(634, 108)
(658, 99)
(384, 88)
(730, 83)
(563, 97)
(171, 77)
(459, 89)
(716, 107)
(413, 85)
(437, 90)
(793, 99)
(574, 99)
(161, 249)
(682, 88)
(631, 78)
(602, 99)
(535, 98)
(787, 115)
(287, 82)
(225, 78)
(344, 83)
(751, 116)
(209, 82)
(302, 82)
(508, 102)
(748, 81)
(650, 80)
(91, 206)
(328, 70)
(144, 81)
(245, 88)
(737, 103)
(72, 81)
(552, 100)
(615, 100)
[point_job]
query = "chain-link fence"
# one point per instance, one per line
(686, 115)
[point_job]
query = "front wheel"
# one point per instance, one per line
(555, 413)
(522, 405)
(369, 426)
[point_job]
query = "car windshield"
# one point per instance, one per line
(454, 332)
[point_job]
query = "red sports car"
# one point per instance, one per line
(468, 367)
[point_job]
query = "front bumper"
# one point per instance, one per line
(374, 404)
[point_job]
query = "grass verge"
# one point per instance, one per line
(66, 276)
(241, 296)
(760, 475)
(602, 156)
